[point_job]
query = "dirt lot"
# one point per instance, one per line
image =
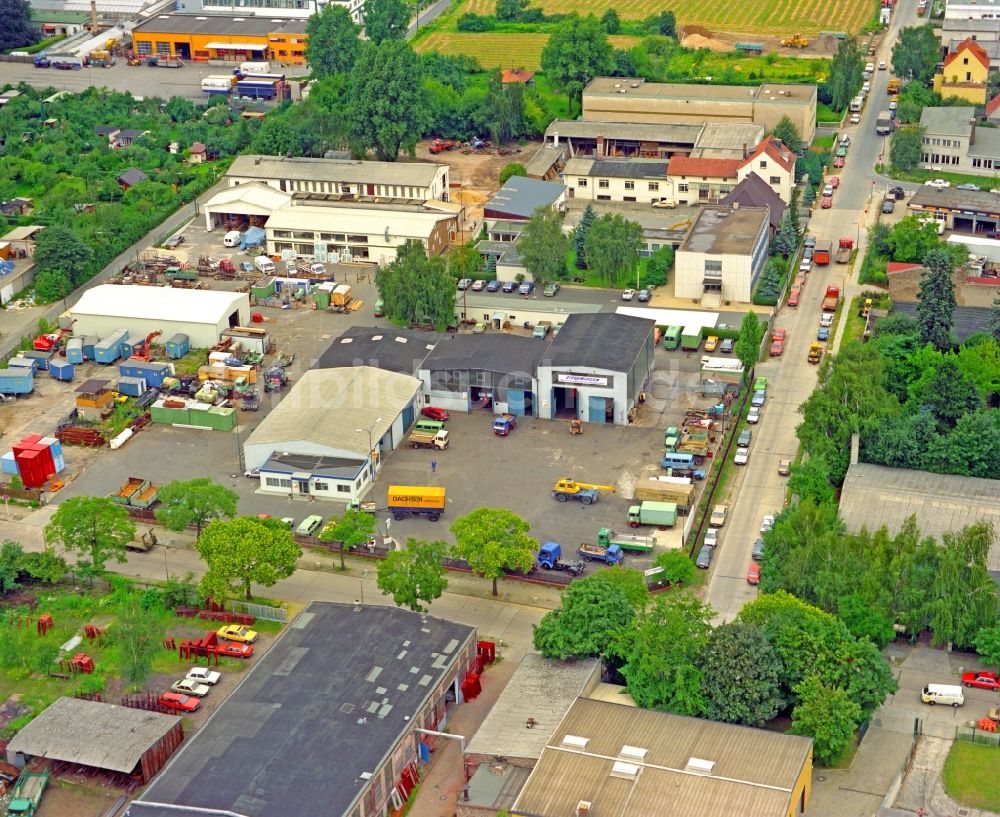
(699, 37)
(476, 171)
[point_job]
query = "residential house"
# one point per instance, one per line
(197, 153)
(131, 177)
(753, 191)
(17, 206)
(991, 47)
(125, 138)
(775, 164)
(701, 180)
(993, 110)
(640, 180)
(964, 73)
(952, 141)
(517, 75)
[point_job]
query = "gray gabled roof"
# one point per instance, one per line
(600, 341)
(389, 348)
(753, 191)
(488, 352)
(521, 196)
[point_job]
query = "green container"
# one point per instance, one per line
(222, 418)
(322, 298)
(264, 288)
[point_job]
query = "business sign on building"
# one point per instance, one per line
(570, 379)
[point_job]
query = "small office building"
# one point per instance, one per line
(221, 37)
(967, 211)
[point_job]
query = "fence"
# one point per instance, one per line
(262, 611)
(970, 734)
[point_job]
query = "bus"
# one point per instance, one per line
(672, 337)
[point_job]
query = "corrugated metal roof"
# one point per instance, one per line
(371, 220)
(91, 733)
(420, 174)
(754, 770)
(251, 194)
(159, 303)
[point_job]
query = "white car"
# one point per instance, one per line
(938, 183)
(767, 523)
(478, 285)
(881, 65)
(866, 88)
(188, 687)
(203, 675)
(869, 67)
(252, 473)
(753, 416)
(628, 294)
(828, 190)
(742, 455)
(893, 105)
(712, 537)
(826, 320)
(464, 284)
(855, 119)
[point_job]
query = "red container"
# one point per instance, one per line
(45, 453)
(27, 443)
(31, 468)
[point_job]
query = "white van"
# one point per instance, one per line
(264, 264)
(232, 238)
(942, 694)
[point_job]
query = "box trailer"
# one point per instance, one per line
(416, 500)
(218, 84)
(17, 381)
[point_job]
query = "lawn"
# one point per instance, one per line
(824, 113)
(970, 775)
(777, 17)
(921, 175)
(593, 280)
(499, 50)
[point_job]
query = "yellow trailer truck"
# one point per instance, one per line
(416, 500)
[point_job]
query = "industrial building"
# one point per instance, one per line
(250, 204)
(606, 758)
(968, 211)
(119, 739)
(202, 315)
(271, 9)
(325, 439)
(520, 197)
(218, 37)
(723, 255)
(332, 720)
(360, 180)
(383, 347)
(625, 99)
(952, 139)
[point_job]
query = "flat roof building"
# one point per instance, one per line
(520, 197)
(968, 211)
(383, 347)
(952, 138)
(606, 758)
(325, 722)
(221, 37)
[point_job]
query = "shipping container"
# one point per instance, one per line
(42, 357)
(60, 370)
(264, 288)
(31, 469)
(132, 386)
(23, 364)
(74, 351)
(89, 344)
(53, 444)
(250, 339)
(178, 346)
(16, 381)
(8, 465)
(108, 349)
(152, 372)
(45, 457)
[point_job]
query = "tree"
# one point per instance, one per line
(677, 567)
(828, 716)
(611, 21)
(580, 236)
(507, 111)
(352, 530)
(510, 11)
(993, 327)
(138, 635)
(543, 246)
(464, 261)
(658, 267)
(417, 289)
(909, 241)
(591, 614)
(786, 240)
(906, 147)
(390, 71)
(492, 540)
(664, 24)
(17, 30)
(333, 43)
(787, 131)
(577, 51)
(844, 80)
(61, 256)
(94, 527)
(414, 577)
(747, 346)
(962, 599)
(947, 394)
(612, 248)
(987, 644)
(245, 551)
(385, 20)
(915, 53)
(740, 672)
(194, 502)
(631, 582)
(11, 554)
(513, 169)
(936, 300)
(810, 479)
(661, 654)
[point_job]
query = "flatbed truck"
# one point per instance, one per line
(610, 555)
(27, 793)
(606, 537)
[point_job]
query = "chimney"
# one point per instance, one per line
(745, 154)
(583, 808)
(600, 146)
(972, 134)
(736, 205)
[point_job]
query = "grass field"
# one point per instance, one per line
(970, 775)
(777, 17)
(499, 50)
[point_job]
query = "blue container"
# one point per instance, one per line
(18, 380)
(153, 373)
(89, 342)
(108, 349)
(43, 358)
(74, 351)
(8, 464)
(61, 371)
(132, 386)
(178, 346)
(59, 462)
(131, 345)
(21, 363)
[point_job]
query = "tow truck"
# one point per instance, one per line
(585, 492)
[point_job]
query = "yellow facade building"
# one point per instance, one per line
(229, 39)
(964, 73)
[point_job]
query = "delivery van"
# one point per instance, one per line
(232, 238)
(429, 426)
(264, 264)
(948, 694)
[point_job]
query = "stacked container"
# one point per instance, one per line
(60, 370)
(8, 464)
(57, 452)
(74, 351)
(178, 346)
(35, 463)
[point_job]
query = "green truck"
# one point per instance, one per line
(653, 513)
(27, 793)
(626, 541)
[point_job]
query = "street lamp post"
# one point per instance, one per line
(364, 575)
(371, 445)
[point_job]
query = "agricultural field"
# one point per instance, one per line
(776, 17)
(497, 50)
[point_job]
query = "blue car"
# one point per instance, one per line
(509, 286)
(527, 288)
(823, 333)
(493, 286)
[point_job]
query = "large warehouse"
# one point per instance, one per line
(324, 439)
(201, 315)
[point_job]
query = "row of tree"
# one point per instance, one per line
(745, 672)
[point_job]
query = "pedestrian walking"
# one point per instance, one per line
(434, 466)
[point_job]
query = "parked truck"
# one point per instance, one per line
(606, 537)
(585, 492)
(822, 253)
(609, 554)
(504, 424)
(655, 491)
(815, 352)
(831, 298)
(27, 793)
(893, 87)
(425, 439)
(690, 342)
(653, 513)
(844, 250)
(416, 500)
(883, 124)
(218, 84)
(550, 558)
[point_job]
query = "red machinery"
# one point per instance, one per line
(146, 345)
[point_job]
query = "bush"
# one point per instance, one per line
(475, 22)
(513, 169)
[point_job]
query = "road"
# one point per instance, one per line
(791, 378)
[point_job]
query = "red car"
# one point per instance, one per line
(753, 574)
(834, 182)
(233, 650)
(434, 413)
(982, 680)
(793, 296)
(826, 203)
(181, 703)
(777, 347)
(838, 161)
